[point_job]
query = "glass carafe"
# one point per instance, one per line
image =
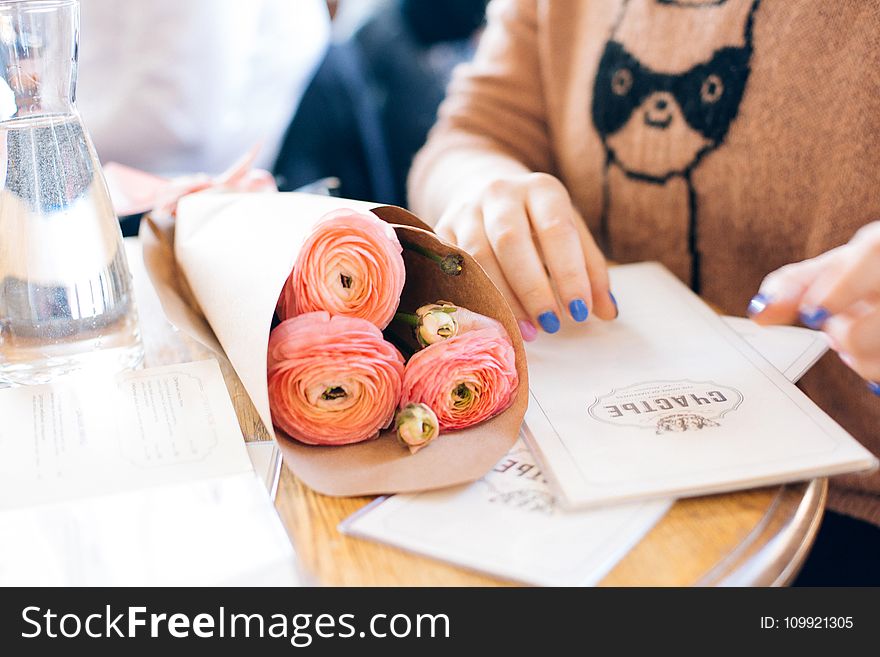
(65, 290)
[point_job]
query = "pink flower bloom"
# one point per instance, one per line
(332, 380)
(466, 379)
(350, 265)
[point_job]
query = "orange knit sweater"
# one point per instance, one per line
(724, 138)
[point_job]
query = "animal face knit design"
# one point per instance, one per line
(657, 118)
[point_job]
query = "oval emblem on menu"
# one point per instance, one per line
(667, 406)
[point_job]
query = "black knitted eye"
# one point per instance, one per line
(621, 81)
(712, 89)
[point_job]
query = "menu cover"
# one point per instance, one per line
(668, 401)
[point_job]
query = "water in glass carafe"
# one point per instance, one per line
(65, 289)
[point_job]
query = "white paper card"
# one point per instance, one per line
(211, 532)
(668, 401)
(509, 525)
(144, 480)
(81, 437)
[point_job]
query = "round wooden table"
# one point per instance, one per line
(757, 537)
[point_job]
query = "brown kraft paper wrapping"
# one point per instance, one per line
(218, 274)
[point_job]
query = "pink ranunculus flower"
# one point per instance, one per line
(350, 265)
(332, 380)
(466, 379)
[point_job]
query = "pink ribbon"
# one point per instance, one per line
(135, 192)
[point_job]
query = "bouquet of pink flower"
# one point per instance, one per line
(305, 297)
(334, 380)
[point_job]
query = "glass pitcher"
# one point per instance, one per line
(65, 290)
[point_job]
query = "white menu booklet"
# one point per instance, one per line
(508, 524)
(668, 401)
(142, 480)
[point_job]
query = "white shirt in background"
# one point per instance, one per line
(185, 86)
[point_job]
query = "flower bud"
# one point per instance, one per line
(436, 323)
(417, 426)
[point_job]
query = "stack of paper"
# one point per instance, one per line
(141, 481)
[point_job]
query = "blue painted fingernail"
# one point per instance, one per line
(579, 311)
(814, 318)
(758, 304)
(874, 387)
(614, 301)
(549, 322)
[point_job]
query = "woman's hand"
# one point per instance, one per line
(529, 238)
(837, 292)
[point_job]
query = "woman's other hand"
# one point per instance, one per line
(837, 292)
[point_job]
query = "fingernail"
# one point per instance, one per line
(874, 387)
(549, 322)
(814, 318)
(528, 330)
(848, 360)
(579, 311)
(758, 304)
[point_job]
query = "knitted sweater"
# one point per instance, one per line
(724, 138)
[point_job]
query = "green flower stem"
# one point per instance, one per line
(410, 319)
(451, 264)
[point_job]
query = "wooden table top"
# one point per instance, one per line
(756, 537)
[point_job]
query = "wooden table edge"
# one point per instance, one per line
(775, 550)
